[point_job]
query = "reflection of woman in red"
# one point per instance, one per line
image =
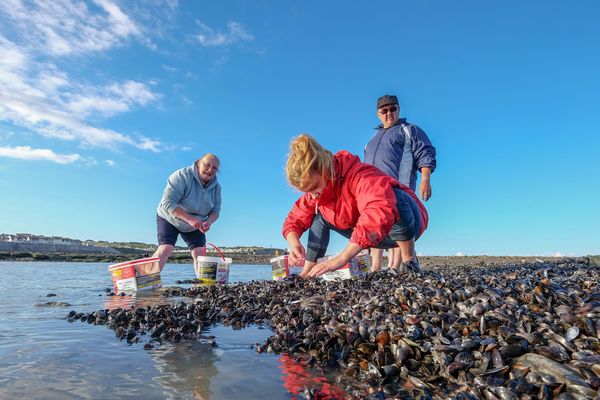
(296, 378)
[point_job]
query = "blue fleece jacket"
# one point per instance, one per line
(185, 189)
(401, 150)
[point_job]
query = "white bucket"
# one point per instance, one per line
(358, 265)
(213, 270)
(282, 269)
(135, 275)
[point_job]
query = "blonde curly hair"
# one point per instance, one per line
(306, 159)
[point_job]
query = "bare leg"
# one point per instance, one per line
(163, 252)
(407, 251)
(307, 267)
(376, 259)
(397, 256)
(198, 251)
(392, 254)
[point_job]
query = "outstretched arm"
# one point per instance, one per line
(351, 250)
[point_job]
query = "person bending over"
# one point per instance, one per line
(355, 199)
(190, 204)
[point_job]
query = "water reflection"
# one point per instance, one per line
(230, 369)
(186, 368)
(297, 377)
(138, 299)
(200, 370)
(43, 356)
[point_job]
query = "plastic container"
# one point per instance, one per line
(131, 276)
(282, 269)
(213, 270)
(356, 267)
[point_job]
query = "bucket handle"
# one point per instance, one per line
(216, 248)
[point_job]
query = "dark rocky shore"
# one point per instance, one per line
(109, 258)
(29, 247)
(462, 328)
(259, 259)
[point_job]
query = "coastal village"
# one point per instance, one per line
(32, 247)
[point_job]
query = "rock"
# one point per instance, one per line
(562, 373)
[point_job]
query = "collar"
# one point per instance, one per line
(400, 121)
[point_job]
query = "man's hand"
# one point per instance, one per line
(196, 223)
(425, 186)
(425, 189)
(205, 226)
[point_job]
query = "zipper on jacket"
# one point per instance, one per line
(378, 143)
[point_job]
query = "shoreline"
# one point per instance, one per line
(177, 258)
(255, 259)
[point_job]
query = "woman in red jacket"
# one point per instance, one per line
(354, 199)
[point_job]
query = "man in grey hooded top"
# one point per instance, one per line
(190, 204)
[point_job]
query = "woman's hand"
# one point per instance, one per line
(297, 254)
(332, 264)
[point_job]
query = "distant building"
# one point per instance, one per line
(29, 238)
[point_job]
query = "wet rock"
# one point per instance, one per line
(53, 304)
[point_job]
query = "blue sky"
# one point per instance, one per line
(100, 101)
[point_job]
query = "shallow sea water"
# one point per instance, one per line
(43, 356)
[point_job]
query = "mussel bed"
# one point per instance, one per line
(529, 330)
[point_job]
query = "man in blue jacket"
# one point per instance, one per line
(400, 149)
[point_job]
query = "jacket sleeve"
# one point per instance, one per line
(174, 192)
(217, 206)
(377, 209)
(423, 151)
(300, 217)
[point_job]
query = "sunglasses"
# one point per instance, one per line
(390, 109)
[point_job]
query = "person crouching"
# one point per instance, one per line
(355, 199)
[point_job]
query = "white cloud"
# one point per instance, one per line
(187, 102)
(120, 22)
(149, 144)
(113, 99)
(27, 153)
(110, 163)
(40, 97)
(62, 27)
(459, 254)
(207, 37)
(186, 148)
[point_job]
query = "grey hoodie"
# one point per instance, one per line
(184, 189)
